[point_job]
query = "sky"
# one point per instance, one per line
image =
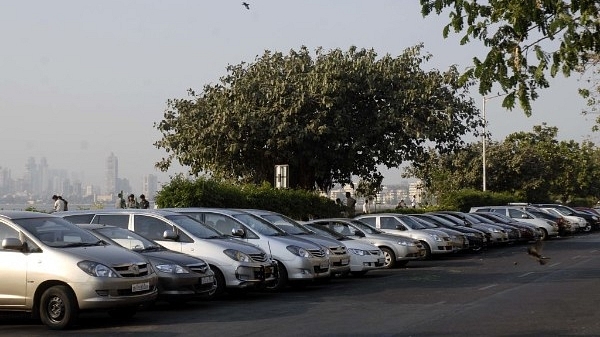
(80, 80)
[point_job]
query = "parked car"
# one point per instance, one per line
(298, 260)
(339, 258)
(577, 223)
(513, 232)
(529, 232)
(497, 234)
(547, 227)
(237, 265)
(457, 239)
(398, 250)
(55, 270)
(363, 256)
(181, 277)
(477, 239)
(592, 219)
(434, 241)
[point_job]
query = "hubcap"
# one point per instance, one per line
(56, 308)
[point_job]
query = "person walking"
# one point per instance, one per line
(145, 204)
(131, 202)
(59, 204)
(413, 201)
(366, 207)
(350, 205)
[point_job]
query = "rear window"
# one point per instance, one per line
(79, 218)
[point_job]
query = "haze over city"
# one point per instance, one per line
(81, 80)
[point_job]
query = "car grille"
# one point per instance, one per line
(317, 252)
(200, 268)
(132, 270)
(339, 250)
(261, 257)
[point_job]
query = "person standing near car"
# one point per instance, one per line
(120, 201)
(131, 202)
(59, 204)
(350, 204)
(145, 204)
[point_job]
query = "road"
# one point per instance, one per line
(499, 292)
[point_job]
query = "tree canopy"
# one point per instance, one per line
(526, 40)
(534, 166)
(329, 116)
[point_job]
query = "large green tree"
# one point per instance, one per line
(526, 40)
(328, 115)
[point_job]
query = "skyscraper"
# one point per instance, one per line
(112, 175)
(149, 186)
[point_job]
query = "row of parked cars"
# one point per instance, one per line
(57, 265)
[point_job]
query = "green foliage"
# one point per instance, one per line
(329, 117)
(525, 41)
(463, 200)
(204, 192)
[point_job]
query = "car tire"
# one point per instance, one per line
(282, 279)
(390, 258)
(58, 307)
(587, 228)
(219, 281)
(544, 236)
(427, 255)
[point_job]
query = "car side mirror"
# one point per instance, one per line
(12, 244)
(359, 234)
(170, 234)
(239, 232)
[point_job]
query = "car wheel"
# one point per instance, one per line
(427, 254)
(390, 258)
(544, 234)
(219, 281)
(281, 280)
(58, 307)
(587, 228)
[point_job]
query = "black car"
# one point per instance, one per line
(477, 239)
(181, 277)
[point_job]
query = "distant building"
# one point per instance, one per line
(112, 175)
(149, 186)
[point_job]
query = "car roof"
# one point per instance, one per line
(14, 214)
(228, 211)
(118, 211)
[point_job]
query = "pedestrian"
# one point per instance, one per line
(131, 202)
(366, 207)
(145, 204)
(65, 202)
(350, 205)
(59, 205)
(413, 201)
(120, 201)
(401, 204)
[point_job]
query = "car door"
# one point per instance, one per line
(390, 224)
(154, 228)
(13, 266)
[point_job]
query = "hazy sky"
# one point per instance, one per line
(82, 79)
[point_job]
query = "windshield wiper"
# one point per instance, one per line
(86, 244)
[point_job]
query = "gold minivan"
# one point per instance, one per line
(55, 270)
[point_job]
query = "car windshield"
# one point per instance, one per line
(325, 231)
(286, 224)
(58, 232)
(365, 227)
(426, 223)
(412, 223)
(128, 239)
(194, 227)
(259, 225)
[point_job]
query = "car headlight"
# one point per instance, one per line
(96, 269)
(299, 251)
(435, 237)
(171, 269)
(406, 243)
(470, 234)
(358, 251)
(495, 230)
(236, 255)
(595, 218)
(328, 251)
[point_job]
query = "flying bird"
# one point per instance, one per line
(245, 4)
(536, 252)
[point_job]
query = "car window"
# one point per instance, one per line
(259, 225)
(150, 227)
(388, 222)
(79, 218)
(517, 214)
(57, 232)
(117, 220)
(370, 220)
(222, 223)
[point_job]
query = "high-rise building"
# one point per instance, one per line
(112, 175)
(149, 186)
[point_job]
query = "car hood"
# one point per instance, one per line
(242, 246)
(321, 240)
(171, 256)
(108, 254)
(357, 244)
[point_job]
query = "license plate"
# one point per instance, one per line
(206, 279)
(345, 261)
(140, 286)
(381, 260)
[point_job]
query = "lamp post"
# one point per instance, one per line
(484, 136)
